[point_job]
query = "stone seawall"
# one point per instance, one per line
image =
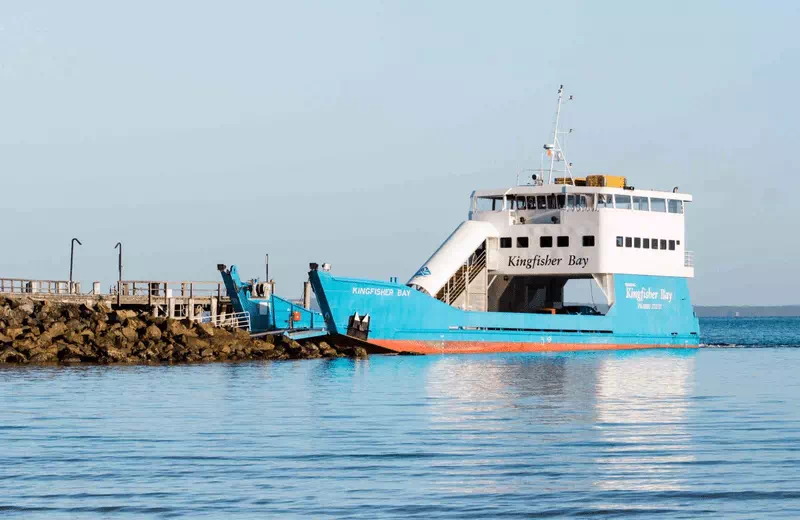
(37, 332)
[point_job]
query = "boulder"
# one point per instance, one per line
(152, 332)
(11, 355)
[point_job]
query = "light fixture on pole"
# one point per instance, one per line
(119, 279)
(71, 259)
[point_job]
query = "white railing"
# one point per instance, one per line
(28, 286)
(458, 282)
(237, 320)
(688, 258)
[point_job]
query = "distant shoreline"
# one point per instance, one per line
(746, 311)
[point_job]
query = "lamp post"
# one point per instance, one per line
(119, 279)
(71, 260)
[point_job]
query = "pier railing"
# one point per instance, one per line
(29, 286)
(154, 289)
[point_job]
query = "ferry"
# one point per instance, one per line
(497, 283)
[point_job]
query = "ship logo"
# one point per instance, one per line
(424, 271)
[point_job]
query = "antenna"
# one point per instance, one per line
(554, 150)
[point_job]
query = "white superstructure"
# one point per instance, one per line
(538, 236)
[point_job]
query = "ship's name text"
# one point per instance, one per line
(380, 291)
(647, 293)
(547, 261)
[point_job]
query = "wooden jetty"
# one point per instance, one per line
(183, 299)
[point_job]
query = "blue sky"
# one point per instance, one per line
(353, 132)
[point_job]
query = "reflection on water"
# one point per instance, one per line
(675, 433)
(642, 404)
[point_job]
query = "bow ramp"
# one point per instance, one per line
(457, 273)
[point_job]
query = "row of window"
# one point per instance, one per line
(640, 203)
(522, 202)
(588, 241)
(545, 241)
(647, 243)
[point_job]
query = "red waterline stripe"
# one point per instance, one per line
(481, 347)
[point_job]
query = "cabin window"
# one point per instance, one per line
(551, 202)
(562, 241)
(640, 204)
(672, 245)
(531, 202)
(505, 242)
(487, 204)
(622, 201)
(628, 242)
(659, 205)
(522, 241)
(637, 243)
(605, 201)
(645, 243)
(521, 202)
(663, 244)
(619, 241)
(541, 202)
(678, 242)
(570, 201)
(588, 240)
(562, 201)
(545, 241)
(676, 206)
(654, 243)
(581, 201)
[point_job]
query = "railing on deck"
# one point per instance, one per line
(238, 320)
(688, 258)
(458, 282)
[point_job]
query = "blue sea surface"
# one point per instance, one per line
(641, 434)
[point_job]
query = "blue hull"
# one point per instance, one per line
(649, 311)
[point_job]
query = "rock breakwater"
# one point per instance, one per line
(41, 332)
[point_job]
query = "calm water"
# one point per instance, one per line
(672, 434)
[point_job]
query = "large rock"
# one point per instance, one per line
(152, 332)
(11, 355)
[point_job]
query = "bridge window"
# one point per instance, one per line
(505, 242)
(640, 204)
(637, 243)
(488, 204)
(622, 201)
(522, 241)
(628, 242)
(562, 241)
(605, 201)
(551, 202)
(619, 241)
(531, 202)
(646, 243)
(541, 202)
(663, 243)
(545, 241)
(676, 206)
(588, 240)
(659, 205)
(672, 245)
